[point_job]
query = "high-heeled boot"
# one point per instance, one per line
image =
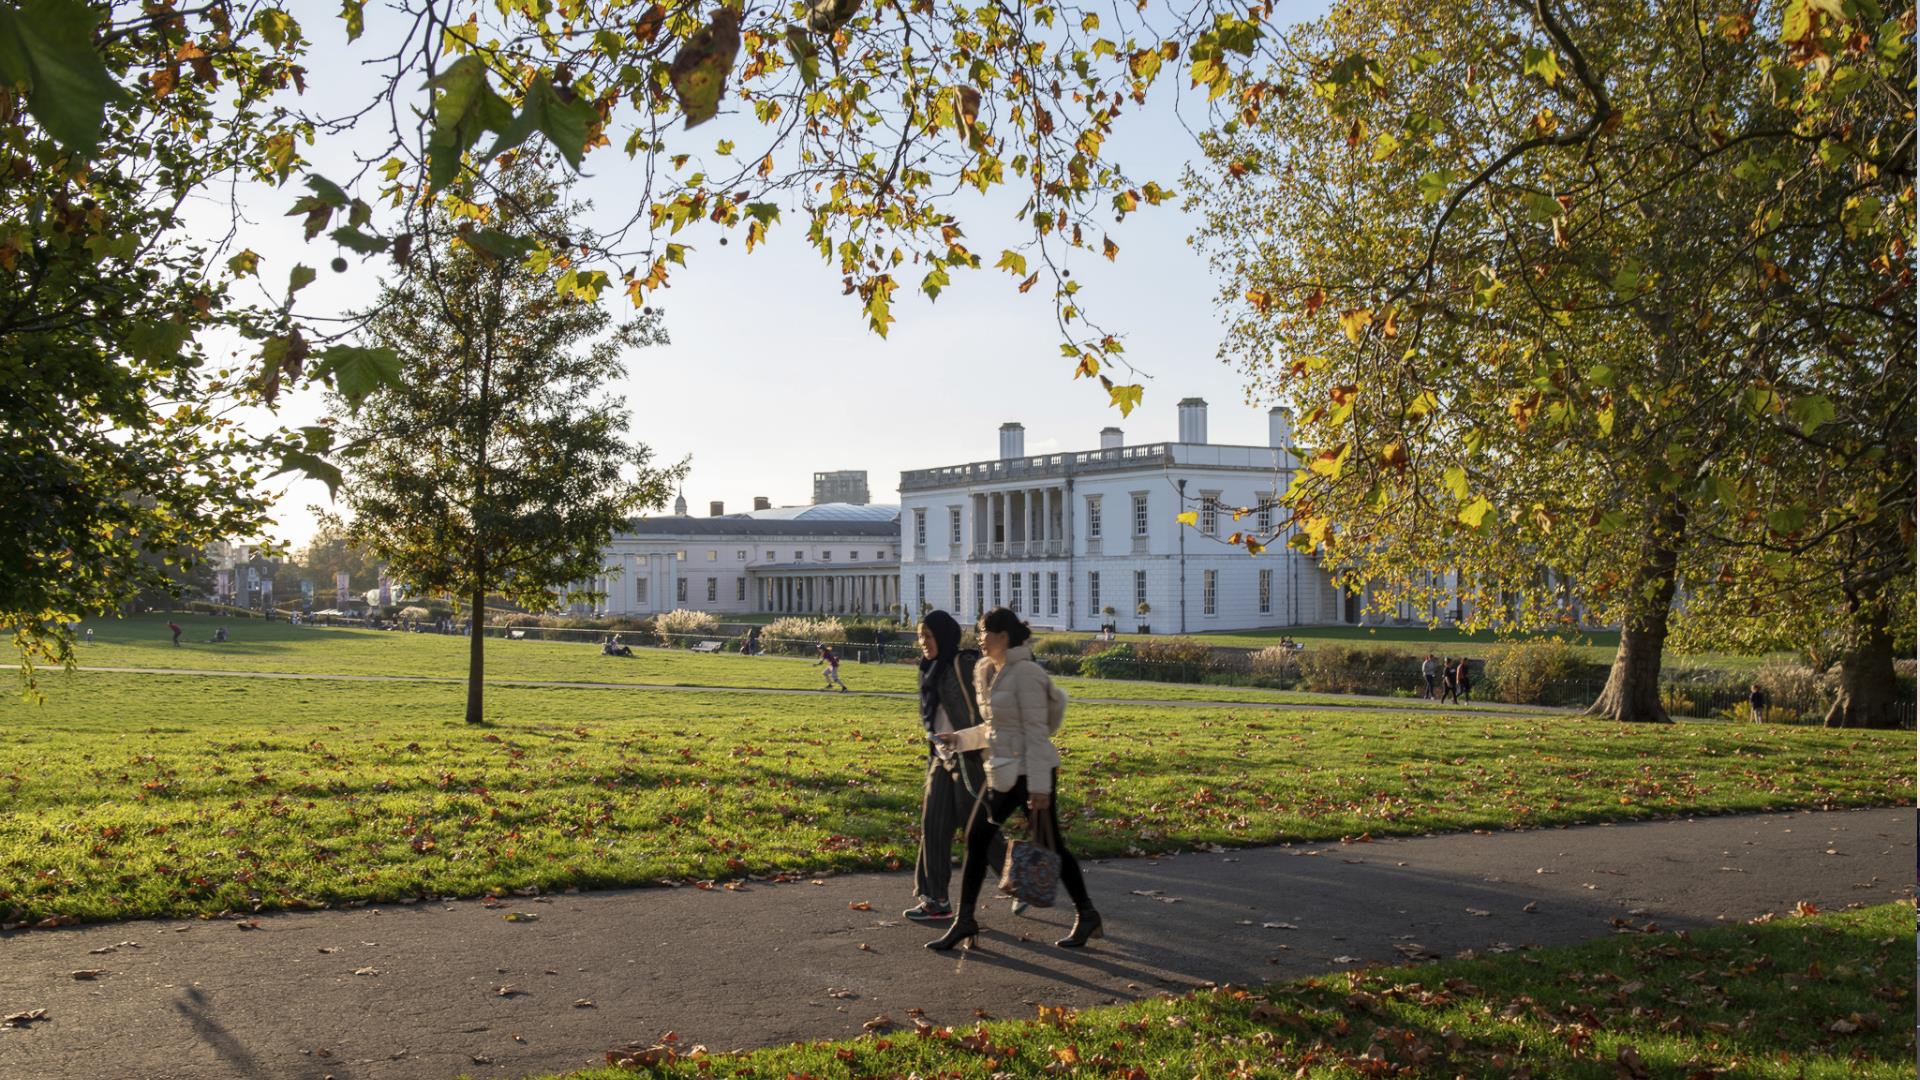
(1086, 925)
(964, 928)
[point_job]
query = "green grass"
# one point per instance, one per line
(1828, 997)
(143, 795)
(143, 642)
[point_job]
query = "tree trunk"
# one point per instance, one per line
(1632, 693)
(476, 657)
(1868, 690)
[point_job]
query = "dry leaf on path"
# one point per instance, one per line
(88, 973)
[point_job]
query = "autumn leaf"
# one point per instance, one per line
(700, 69)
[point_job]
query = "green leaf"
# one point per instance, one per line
(357, 372)
(301, 277)
(566, 124)
(1126, 398)
(1384, 146)
(1435, 185)
(1542, 62)
(1455, 478)
(47, 46)
(806, 54)
(464, 107)
(1810, 412)
(353, 13)
(1014, 262)
(1600, 375)
(247, 262)
(500, 245)
(1626, 280)
(1762, 400)
(327, 191)
(937, 279)
(315, 467)
(1788, 519)
(1475, 512)
(363, 243)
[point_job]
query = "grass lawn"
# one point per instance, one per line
(139, 795)
(280, 647)
(1825, 997)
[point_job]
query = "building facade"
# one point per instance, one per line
(829, 559)
(1061, 538)
(845, 486)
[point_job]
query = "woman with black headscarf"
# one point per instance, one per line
(954, 780)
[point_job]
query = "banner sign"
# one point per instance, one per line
(341, 586)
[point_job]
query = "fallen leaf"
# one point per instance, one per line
(859, 905)
(520, 916)
(22, 1019)
(883, 1022)
(1479, 912)
(366, 971)
(508, 990)
(86, 974)
(1279, 926)
(583, 1003)
(1346, 959)
(1531, 907)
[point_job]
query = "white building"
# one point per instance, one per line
(1059, 537)
(829, 559)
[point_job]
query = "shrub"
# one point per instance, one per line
(1534, 672)
(1174, 659)
(1056, 646)
(796, 635)
(674, 627)
(1276, 665)
(1355, 669)
(1113, 662)
(418, 614)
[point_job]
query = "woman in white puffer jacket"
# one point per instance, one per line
(1014, 694)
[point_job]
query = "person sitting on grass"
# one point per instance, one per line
(832, 661)
(219, 636)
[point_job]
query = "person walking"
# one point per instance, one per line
(1016, 701)
(832, 661)
(955, 779)
(1427, 669)
(1757, 704)
(1447, 687)
(1462, 681)
(175, 627)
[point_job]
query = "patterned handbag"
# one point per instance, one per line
(1032, 872)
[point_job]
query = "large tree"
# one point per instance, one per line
(1561, 295)
(501, 464)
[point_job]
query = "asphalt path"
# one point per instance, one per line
(435, 989)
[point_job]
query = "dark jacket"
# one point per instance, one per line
(946, 682)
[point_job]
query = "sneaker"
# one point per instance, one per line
(1019, 906)
(929, 912)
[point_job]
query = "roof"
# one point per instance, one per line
(834, 511)
(864, 566)
(741, 525)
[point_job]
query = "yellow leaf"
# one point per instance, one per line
(1188, 517)
(1354, 322)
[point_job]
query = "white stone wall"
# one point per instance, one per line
(657, 559)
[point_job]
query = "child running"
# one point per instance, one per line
(832, 661)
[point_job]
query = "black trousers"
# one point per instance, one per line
(984, 826)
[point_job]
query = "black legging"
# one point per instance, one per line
(984, 824)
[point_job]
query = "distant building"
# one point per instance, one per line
(835, 558)
(846, 486)
(1061, 537)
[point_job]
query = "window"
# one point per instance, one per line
(1053, 592)
(1265, 520)
(1093, 517)
(979, 594)
(953, 529)
(1140, 513)
(1139, 588)
(1013, 599)
(680, 590)
(920, 592)
(1209, 512)
(799, 556)
(920, 527)
(1033, 580)
(640, 590)
(1209, 580)
(853, 556)
(713, 556)
(713, 589)
(996, 590)
(826, 556)
(740, 589)
(955, 595)
(1093, 592)
(680, 556)
(1266, 592)
(740, 556)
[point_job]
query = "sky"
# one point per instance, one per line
(772, 374)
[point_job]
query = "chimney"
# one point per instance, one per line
(761, 502)
(1280, 427)
(1013, 440)
(1111, 438)
(716, 509)
(1193, 420)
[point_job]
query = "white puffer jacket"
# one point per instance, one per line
(1013, 705)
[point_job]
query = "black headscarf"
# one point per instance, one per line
(946, 641)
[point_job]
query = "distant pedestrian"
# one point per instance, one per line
(1447, 687)
(1462, 682)
(1757, 703)
(752, 646)
(1428, 670)
(832, 673)
(89, 635)
(175, 627)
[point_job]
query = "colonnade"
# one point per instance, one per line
(829, 593)
(1023, 521)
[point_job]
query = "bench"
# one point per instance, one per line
(707, 646)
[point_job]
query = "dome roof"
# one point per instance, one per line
(829, 512)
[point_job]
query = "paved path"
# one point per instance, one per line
(1357, 702)
(415, 991)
